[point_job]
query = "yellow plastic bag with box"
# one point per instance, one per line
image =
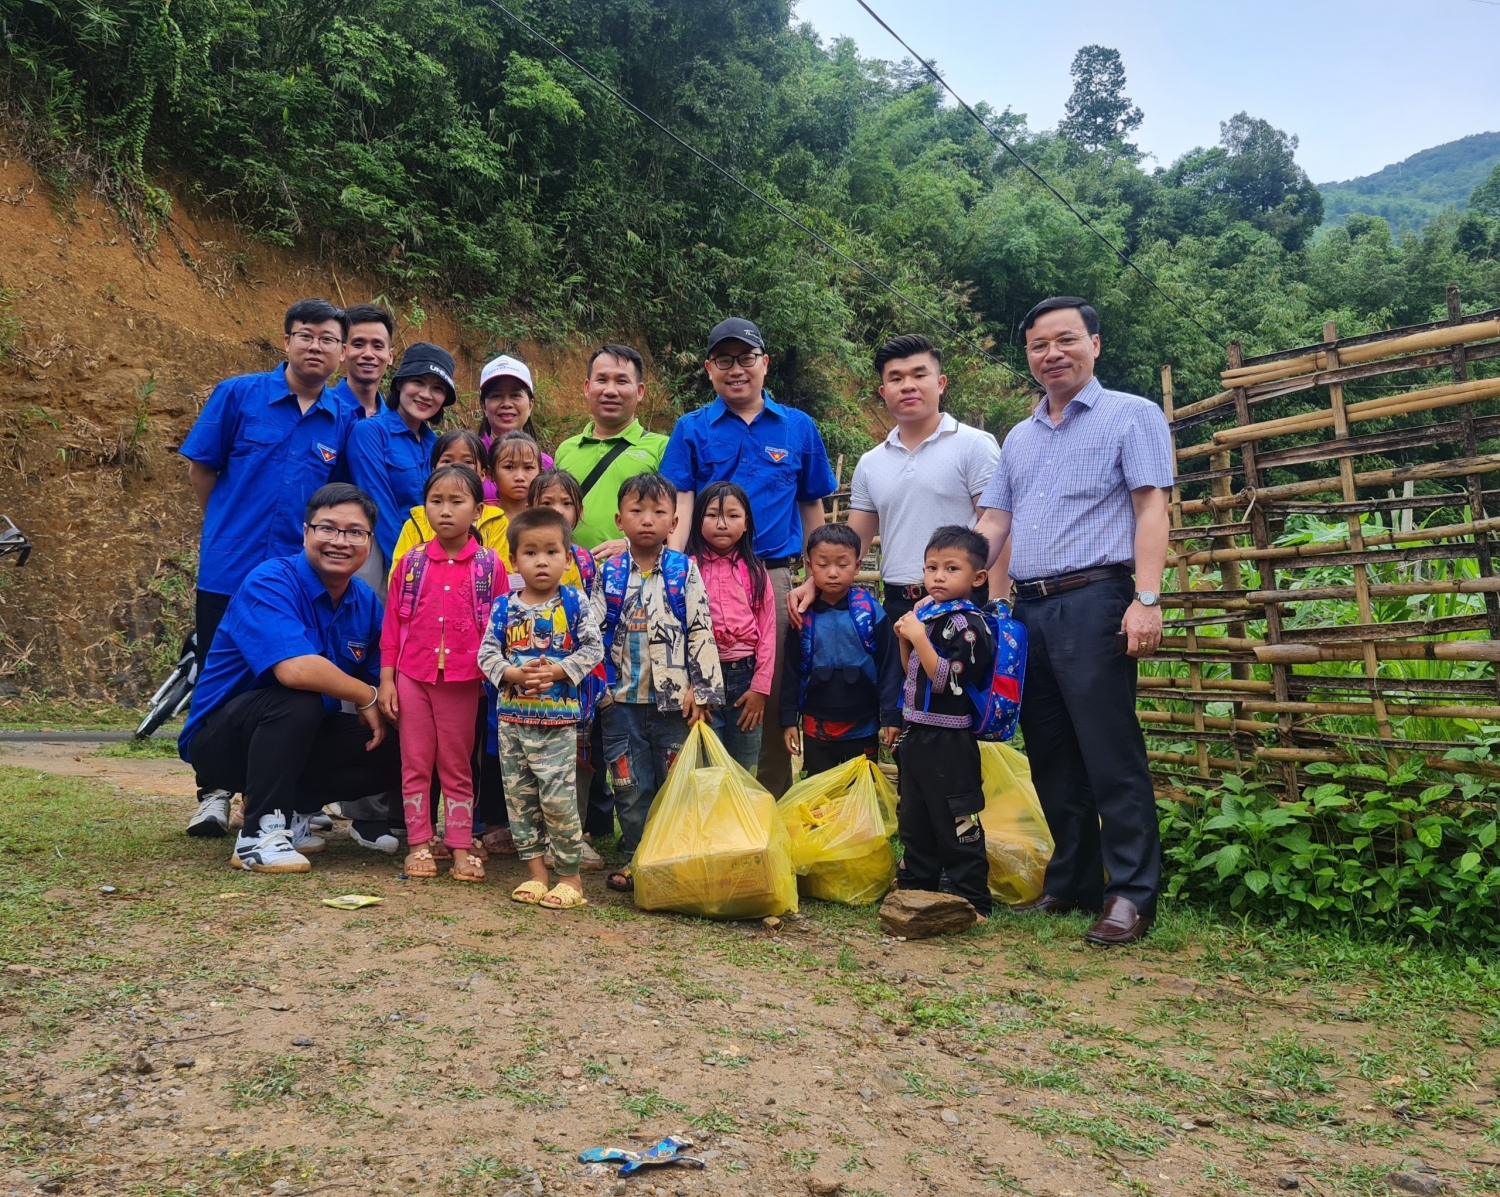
(1016, 837)
(840, 823)
(713, 845)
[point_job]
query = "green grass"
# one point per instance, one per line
(152, 748)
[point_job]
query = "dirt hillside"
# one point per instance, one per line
(107, 353)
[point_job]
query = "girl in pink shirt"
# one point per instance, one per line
(743, 610)
(435, 615)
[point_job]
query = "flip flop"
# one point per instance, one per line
(470, 870)
(420, 863)
(529, 893)
(563, 897)
(500, 841)
(620, 881)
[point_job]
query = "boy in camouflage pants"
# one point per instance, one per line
(541, 643)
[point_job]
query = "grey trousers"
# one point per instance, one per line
(775, 772)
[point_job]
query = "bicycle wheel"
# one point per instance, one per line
(178, 688)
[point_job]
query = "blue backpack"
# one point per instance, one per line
(866, 614)
(614, 576)
(573, 599)
(997, 708)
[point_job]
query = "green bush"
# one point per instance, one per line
(1365, 849)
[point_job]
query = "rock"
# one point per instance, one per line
(1203, 1120)
(141, 1064)
(902, 1029)
(921, 914)
(621, 1188)
(771, 923)
(107, 889)
(50, 1186)
(770, 1101)
(867, 1095)
(822, 1185)
(303, 1042)
(1415, 1182)
(279, 1006)
(26, 970)
(571, 1073)
(1288, 1182)
(950, 1117)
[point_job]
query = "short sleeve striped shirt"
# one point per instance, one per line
(1068, 485)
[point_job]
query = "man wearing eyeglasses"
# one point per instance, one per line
(776, 454)
(259, 449)
(1081, 494)
(285, 709)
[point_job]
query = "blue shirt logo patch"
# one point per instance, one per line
(777, 455)
(328, 455)
(356, 649)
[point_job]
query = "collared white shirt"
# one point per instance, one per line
(914, 492)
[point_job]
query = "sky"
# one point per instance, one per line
(1362, 83)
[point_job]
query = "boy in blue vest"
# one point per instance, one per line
(945, 646)
(841, 684)
(661, 662)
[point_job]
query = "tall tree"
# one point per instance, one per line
(1099, 114)
(1262, 178)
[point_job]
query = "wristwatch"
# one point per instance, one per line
(1147, 598)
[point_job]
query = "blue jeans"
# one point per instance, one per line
(640, 744)
(743, 746)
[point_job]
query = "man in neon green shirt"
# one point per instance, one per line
(614, 440)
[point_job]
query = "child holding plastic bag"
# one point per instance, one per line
(944, 645)
(659, 653)
(841, 683)
(743, 609)
(540, 644)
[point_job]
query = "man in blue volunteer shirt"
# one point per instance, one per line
(299, 642)
(259, 449)
(368, 353)
(776, 454)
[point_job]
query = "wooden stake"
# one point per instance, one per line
(1174, 512)
(1265, 495)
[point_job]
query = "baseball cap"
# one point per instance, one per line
(505, 366)
(735, 329)
(422, 357)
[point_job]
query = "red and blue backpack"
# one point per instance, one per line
(584, 560)
(866, 614)
(997, 708)
(614, 576)
(490, 582)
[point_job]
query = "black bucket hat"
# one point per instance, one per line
(423, 357)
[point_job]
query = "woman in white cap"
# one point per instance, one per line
(506, 397)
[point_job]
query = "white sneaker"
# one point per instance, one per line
(269, 851)
(320, 822)
(303, 840)
(334, 809)
(386, 842)
(211, 819)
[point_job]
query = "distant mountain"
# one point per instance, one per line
(1412, 192)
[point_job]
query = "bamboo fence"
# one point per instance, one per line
(1253, 675)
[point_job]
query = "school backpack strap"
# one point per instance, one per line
(866, 614)
(674, 572)
(594, 683)
(584, 560)
(413, 570)
(488, 572)
(614, 576)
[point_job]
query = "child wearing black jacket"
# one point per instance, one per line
(841, 683)
(943, 649)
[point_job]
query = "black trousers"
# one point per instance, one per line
(818, 756)
(283, 751)
(208, 613)
(942, 793)
(1088, 756)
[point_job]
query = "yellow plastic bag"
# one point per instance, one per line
(713, 845)
(1016, 837)
(840, 823)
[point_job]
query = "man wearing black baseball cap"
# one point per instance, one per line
(771, 450)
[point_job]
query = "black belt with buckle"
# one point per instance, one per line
(910, 593)
(1061, 583)
(781, 562)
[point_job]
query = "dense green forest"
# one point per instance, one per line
(1409, 193)
(435, 143)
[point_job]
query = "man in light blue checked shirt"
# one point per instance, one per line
(1081, 493)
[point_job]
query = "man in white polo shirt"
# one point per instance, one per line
(930, 471)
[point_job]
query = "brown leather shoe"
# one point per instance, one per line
(1120, 923)
(1046, 904)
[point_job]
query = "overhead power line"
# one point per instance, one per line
(1037, 175)
(749, 190)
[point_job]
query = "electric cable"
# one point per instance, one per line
(1038, 176)
(769, 203)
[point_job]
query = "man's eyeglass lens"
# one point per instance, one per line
(1066, 341)
(745, 361)
(328, 534)
(303, 338)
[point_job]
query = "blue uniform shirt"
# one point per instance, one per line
(283, 610)
(389, 462)
(778, 458)
(346, 395)
(270, 457)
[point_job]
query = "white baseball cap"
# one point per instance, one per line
(505, 366)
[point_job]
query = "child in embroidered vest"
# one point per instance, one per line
(841, 683)
(743, 608)
(663, 666)
(944, 645)
(541, 643)
(435, 614)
